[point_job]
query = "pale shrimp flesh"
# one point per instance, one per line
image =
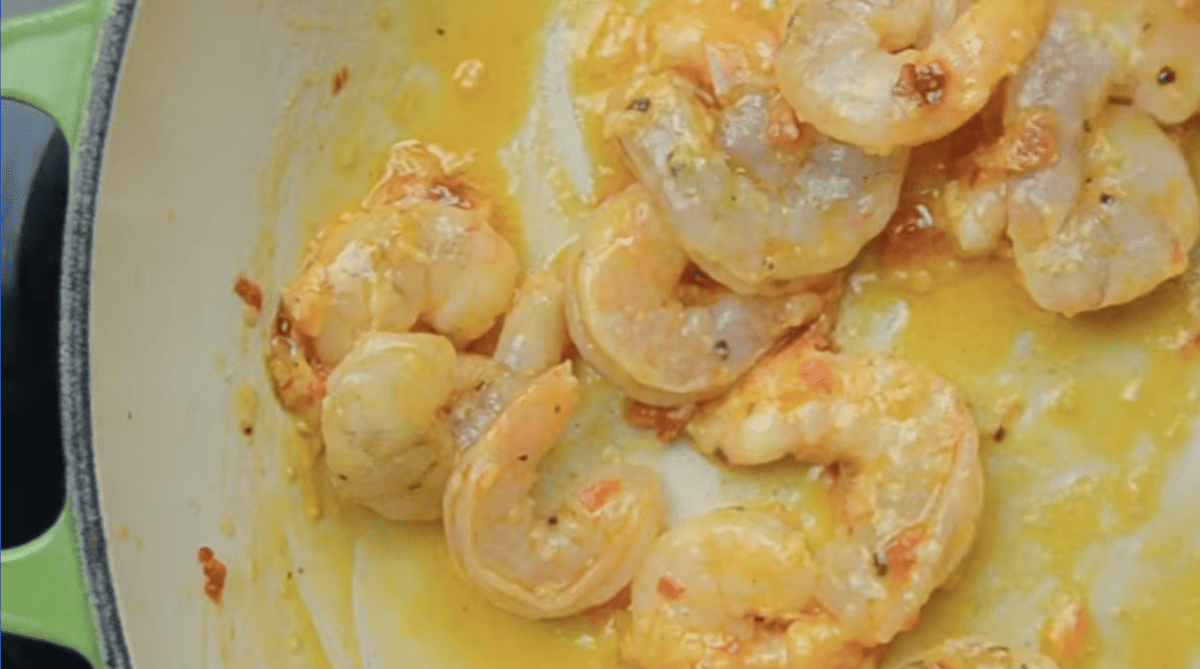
(849, 67)
(420, 172)
(1165, 69)
(977, 652)
(1096, 199)
(546, 566)
(532, 340)
(391, 267)
(535, 332)
(384, 443)
(1065, 82)
(422, 251)
(743, 588)
(1132, 216)
(663, 339)
(400, 407)
(757, 200)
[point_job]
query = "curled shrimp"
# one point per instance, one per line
(390, 267)
(1097, 201)
(848, 68)
(400, 407)
(545, 566)
(1133, 217)
(757, 200)
(421, 251)
(661, 340)
(977, 652)
(384, 445)
(742, 588)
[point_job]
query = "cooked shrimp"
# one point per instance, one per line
(546, 566)
(418, 172)
(384, 443)
(740, 589)
(976, 652)
(1063, 84)
(535, 330)
(630, 316)
(532, 340)
(722, 590)
(1132, 216)
(848, 69)
(757, 202)
(390, 267)
(401, 406)
(1165, 73)
(420, 251)
(1097, 202)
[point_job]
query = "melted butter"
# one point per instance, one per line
(1091, 413)
(504, 39)
(401, 83)
(449, 624)
(1165, 615)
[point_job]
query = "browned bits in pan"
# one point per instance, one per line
(339, 79)
(214, 574)
(250, 292)
(667, 422)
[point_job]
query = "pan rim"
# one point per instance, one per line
(74, 329)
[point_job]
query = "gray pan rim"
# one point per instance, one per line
(75, 291)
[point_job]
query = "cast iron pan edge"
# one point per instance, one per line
(75, 300)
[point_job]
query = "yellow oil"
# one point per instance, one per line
(1041, 542)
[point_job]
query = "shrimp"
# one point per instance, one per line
(418, 172)
(384, 444)
(1133, 216)
(1065, 82)
(400, 407)
(742, 588)
(1096, 200)
(532, 340)
(758, 201)
(421, 251)
(664, 342)
(390, 267)
(545, 566)
(535, 331)
(976, 652)
(1165, 73)
(848, 69)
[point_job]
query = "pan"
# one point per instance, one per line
(211, 140)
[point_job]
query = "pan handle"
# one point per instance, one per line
(45, 595)
(47, 62)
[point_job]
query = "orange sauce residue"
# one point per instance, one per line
(666, 422)
(214, 574)
(598, 495)
(250, 292)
